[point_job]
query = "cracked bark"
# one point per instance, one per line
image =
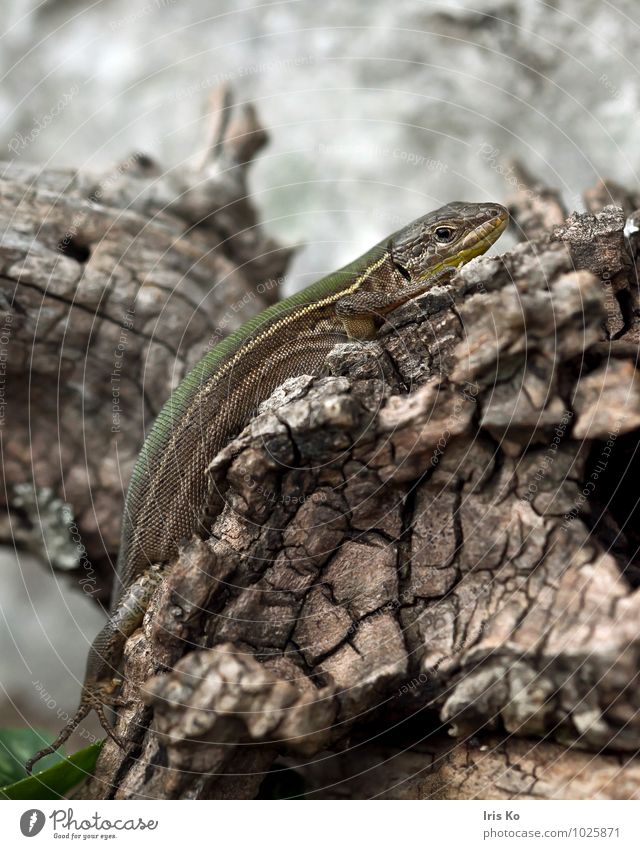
(422, 582)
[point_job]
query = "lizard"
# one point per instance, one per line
(165, 502)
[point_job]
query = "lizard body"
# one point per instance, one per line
(168, 489)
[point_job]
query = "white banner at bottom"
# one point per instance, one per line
(321, 824)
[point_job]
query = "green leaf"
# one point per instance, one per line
(56, 781)
(16, 747)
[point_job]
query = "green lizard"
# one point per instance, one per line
(167, 494)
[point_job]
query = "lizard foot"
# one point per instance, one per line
(94, 697)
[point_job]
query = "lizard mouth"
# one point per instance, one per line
(480, 239)
(491, 230)
(487, 233)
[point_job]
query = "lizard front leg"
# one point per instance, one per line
(100, 682)
(361, 311)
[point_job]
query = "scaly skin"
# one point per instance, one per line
(166, 501)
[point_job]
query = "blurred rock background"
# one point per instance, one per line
(377, 112)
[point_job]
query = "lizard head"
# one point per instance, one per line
(448, 237)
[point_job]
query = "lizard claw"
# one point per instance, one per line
(119, 741)
(105, 696)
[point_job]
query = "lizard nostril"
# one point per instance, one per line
(494, 214)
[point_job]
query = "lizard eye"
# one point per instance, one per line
(444, 234)
(402, 271)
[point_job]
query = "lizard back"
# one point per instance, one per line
(213, 402)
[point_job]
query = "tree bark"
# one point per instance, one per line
(427, 554)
